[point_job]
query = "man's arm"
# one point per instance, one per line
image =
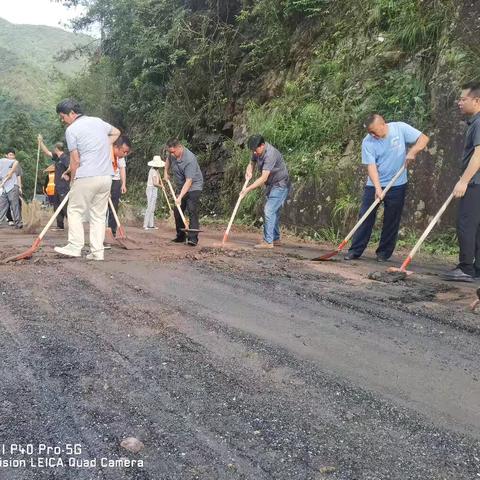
(74, 164)
(257, 183)
(43, 147)
(185, 189)
(12, 170)
(20, 185)
(113, 135)
(419, 145)
(249, 171)
(374, 177)
(123, 178)
(473, 167)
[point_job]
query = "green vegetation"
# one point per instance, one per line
(32, 80)
(302, 72)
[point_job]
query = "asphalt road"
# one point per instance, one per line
(235, 365)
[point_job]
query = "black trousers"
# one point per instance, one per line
(393, 207)
(115, 194)
(468, 230)
(57, 200)
(190, 204)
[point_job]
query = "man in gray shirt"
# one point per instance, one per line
(274, 175)
(189, 185)
(89, 141)
(9, 191)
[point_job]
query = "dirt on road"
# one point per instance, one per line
(233, 364)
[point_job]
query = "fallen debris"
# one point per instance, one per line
(387, 277)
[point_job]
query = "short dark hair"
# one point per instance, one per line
(60, 146)
(11, 150)
(370, 118)
(123, 140)
(69, 105)
(173, 142)
(474, 88)
(255, 141)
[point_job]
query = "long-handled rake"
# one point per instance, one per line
(165, 195)
(374, 205)
(179, 208)
(436, 218)
(121, 235)
(36, 244)
(171, 217)
(232, 218)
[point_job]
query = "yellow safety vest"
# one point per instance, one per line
(51, 184)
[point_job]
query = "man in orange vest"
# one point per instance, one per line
(121, 148)
(59, 181)
(49, 184)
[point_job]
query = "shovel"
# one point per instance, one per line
(121, 236)
(407, 261)
(28, 253)
(165, 195)
(187, 229)
(374, 205)
(235, 210)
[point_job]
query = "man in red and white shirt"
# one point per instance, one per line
(121, 148)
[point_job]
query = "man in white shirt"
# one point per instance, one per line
(9, 191)
(89, 141)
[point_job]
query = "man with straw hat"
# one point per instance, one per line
(153, 183)
(60, 181)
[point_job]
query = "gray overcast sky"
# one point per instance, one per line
(37, 12)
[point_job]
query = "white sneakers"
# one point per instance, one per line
(69, 251)
(93, 256)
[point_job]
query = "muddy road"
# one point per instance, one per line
(234, 364)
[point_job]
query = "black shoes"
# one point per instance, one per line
(351, 256)
(191, 243)
(382, 258)
(457, 275)
(178, 240)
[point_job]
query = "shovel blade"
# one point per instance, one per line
(121, 234)
(128, 243)
(326, 257)
(27, 254)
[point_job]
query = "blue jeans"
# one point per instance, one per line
(275, 200)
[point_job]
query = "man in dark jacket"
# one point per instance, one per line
(61, 162)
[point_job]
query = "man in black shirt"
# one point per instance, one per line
(62, 180)
(468, 190)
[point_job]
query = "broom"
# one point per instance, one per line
(36, 244)
(171, 217)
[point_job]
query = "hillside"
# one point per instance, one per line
(31, 75)
(304, 73)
